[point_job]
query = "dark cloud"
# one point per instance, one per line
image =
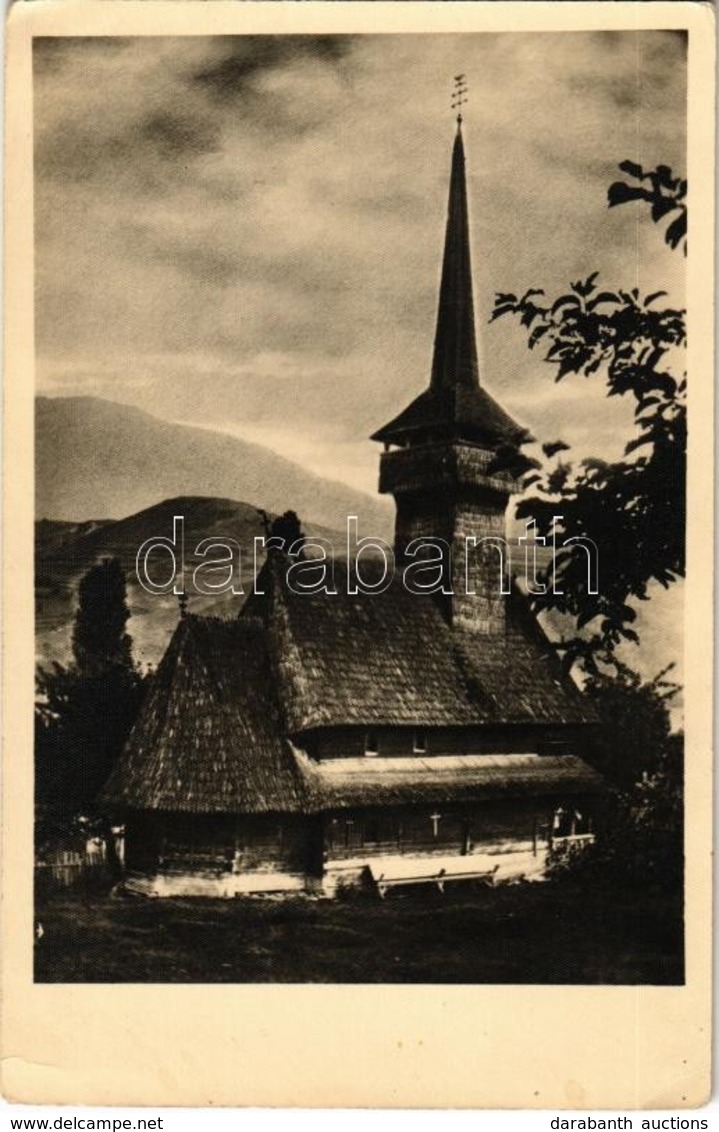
(234, 79)
(670, 41)
(174, 134)
(240, 59)
(610, 40)
(678, 38)
(659, 61)
(214, 86)
(50, 53)
(134, 152)
(667, 53)
(623, 94)
(210, 265)
(135, 156)
(73, 153)
(220, 202)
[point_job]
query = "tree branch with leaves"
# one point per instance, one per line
(84, 711)
(665, 193)
(633, 509)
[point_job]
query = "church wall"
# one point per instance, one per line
(481, 841)
(480, 604)
(426, 516)
(444, 491)
(435, 829)
(220, 854)
(229, 855)
(397, 742)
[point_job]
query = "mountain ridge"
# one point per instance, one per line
(65, 551)
(100, 457)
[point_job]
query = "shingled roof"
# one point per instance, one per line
(209, 737)
(467, 411)
(361, 659)
(391, 659)
(338, 784)
(223, 724)
(519, 672)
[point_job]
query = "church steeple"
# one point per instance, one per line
(455, 346)
(454, 405)
(445, 454)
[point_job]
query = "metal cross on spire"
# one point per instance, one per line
(460, 95)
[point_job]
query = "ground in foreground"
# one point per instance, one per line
(562, 932)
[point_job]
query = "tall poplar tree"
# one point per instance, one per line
(84, 711)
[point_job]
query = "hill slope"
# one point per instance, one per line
(99, 458)
(65, 551)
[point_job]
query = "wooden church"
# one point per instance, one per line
(319, 742)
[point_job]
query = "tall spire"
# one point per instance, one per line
(446, 455)
(454, 406)
(455, 346)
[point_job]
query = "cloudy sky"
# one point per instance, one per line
(246, 232)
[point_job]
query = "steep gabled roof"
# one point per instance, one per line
(364, 659)
(209, 736)
(391, 659)
(214, 734)
(520, 672)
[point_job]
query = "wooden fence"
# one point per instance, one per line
(62, 867)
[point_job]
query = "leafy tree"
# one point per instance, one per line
(99, 640)
(84, 711)
(636, 739)
(635, 505)
(288, 528)
(665, 193)
(641, 822)
(643, 761)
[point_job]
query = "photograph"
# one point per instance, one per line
(455, 691)
(358, 480)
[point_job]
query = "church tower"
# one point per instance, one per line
(444, 454)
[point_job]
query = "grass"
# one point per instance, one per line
(564, 932)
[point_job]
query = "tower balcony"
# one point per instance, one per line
(442, 465)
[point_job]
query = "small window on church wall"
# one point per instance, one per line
(371, 744)
(419, 744)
